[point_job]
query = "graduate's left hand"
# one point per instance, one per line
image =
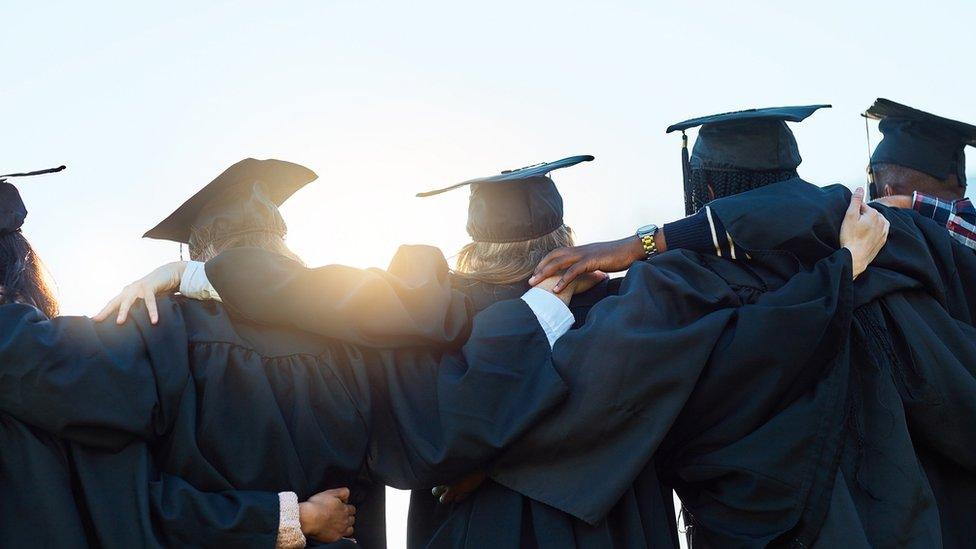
(863, 232)
(460, 490)
(570, 263)
(164, 279)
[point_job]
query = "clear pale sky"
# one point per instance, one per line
(147, 102)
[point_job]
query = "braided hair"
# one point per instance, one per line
(727, 183)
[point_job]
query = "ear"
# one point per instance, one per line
(711, 193)
(888, 191)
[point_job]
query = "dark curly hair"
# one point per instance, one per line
(727, 183)
(23, 278)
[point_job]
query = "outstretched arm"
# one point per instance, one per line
(412, 303)
(703, 232)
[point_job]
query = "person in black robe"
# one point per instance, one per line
(903, 477)
(40, 492)
(920, 164)
(909, 477)
(880, 497)
(234, 405)
(514, 219)
(46, 481)
(277, 292)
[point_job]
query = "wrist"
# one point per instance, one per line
(857, 266)
(634, 247)
(177, 268)
(306, 513)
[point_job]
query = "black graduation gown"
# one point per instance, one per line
(759, 451)
(426, 515)
(267, 288)
(644, 516)
(636, 365)
(906, 475)
(236, 406)
(553, 519)
(112, 457)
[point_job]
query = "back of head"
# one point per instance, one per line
(708, 185)
(503, 263)
(267, 232)
(23, 278)
(894, 179)
(919, 151)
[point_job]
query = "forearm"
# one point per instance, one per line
(419, 307)
(185, 516)
(703, 232)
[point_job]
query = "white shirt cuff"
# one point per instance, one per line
(195, 284)
(289, 525)
(553, 315)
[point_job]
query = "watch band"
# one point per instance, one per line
(646, 235)
(650, 246)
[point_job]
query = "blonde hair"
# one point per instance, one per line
(207, 242)
(508, 262)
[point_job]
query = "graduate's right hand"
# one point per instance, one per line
(565, 295)
(162, 280)
(863, 232)
(327, 516)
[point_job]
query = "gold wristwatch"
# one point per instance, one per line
(646, 234)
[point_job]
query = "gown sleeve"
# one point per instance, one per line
(635, 363)
(436, 416)
(100, 385)
(412, 303)
(186, 517)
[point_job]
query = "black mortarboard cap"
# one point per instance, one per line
(516, 205)
(242, 196)
(12, 208)
(754, 139)
(921, 141)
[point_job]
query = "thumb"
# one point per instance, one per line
(857, 201)
(342, 494)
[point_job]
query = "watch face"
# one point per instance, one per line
(647, 229)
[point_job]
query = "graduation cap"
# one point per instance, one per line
(921, 141)
(753, 139)
(241, 197)
(515, 205)
(12, 208)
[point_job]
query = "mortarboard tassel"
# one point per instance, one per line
(686, 174)
(872, 187)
